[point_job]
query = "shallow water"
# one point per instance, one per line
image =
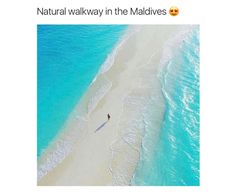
(69, 57)
(162, 130)
(170, 153)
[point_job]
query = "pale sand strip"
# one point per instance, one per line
(102, 157)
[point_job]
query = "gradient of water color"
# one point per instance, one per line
(69, 57)
(174, 160)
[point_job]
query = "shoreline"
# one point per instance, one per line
(61, 146)
(110, 156)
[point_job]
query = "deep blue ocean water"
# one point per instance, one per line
(69, 57)
(175, 158)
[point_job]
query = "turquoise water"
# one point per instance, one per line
(174, 160)
(69, 57)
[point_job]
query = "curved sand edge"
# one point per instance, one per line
(93, 161)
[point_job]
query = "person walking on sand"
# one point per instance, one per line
(108, 116)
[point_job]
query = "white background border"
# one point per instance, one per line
(18, 87)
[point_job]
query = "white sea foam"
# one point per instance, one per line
(111, 57)
(61, 147)
(172, 44)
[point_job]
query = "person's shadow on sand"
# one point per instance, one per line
(101, 126)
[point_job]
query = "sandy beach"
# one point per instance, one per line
(109, 155)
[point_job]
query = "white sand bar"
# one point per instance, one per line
(110, 155)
